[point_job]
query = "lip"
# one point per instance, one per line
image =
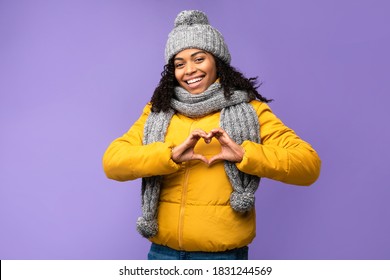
(195, 85)
(194, 78)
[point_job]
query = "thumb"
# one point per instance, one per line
(215, 159)
(200, 157)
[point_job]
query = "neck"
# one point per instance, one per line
(211, 100)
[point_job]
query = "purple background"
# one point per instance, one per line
(75, 74)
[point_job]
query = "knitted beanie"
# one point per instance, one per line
(192, 30)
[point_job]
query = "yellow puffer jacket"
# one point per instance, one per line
(194, 212)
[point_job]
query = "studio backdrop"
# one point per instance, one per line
(75, 74)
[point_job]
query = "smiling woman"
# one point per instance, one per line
(201, 146)
(195, 70)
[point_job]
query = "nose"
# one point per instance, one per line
(190, 69)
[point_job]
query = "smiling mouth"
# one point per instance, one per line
(189, 82)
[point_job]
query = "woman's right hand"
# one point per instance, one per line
(185, 151)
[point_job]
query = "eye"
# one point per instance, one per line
(199, 59)
(179, 65)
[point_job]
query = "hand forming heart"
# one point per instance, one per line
(230, 150)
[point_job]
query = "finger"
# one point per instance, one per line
(207, 137)
(219, 133)
(199, 132)
(216, 129)
(224, 139)
(207, 140)
(194, 137)
(200, 157)
(210, 134)
(215, 159)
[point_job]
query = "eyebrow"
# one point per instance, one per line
(192, 55)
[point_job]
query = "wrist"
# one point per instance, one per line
(241, 154)
(172, 154)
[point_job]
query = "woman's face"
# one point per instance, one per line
(195, 70)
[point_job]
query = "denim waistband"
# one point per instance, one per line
(160, 252)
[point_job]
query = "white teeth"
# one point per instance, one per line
(194, 80)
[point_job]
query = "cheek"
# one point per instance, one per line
(212, 69)
(213, 72)
(178, 76)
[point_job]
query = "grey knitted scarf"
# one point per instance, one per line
(238, 119)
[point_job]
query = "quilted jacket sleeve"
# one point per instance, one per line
(127, 159)
(282, 155)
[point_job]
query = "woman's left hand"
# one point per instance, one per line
(230, 150)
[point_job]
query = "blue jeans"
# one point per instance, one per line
(159, 252)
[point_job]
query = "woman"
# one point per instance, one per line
(201, 146)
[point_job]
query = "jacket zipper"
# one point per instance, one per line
(182, 206)
(184, 197)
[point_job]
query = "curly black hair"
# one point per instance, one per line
(229, 77)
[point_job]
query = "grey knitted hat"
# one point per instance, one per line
(192, 30)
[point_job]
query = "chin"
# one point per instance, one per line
(199, 91)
